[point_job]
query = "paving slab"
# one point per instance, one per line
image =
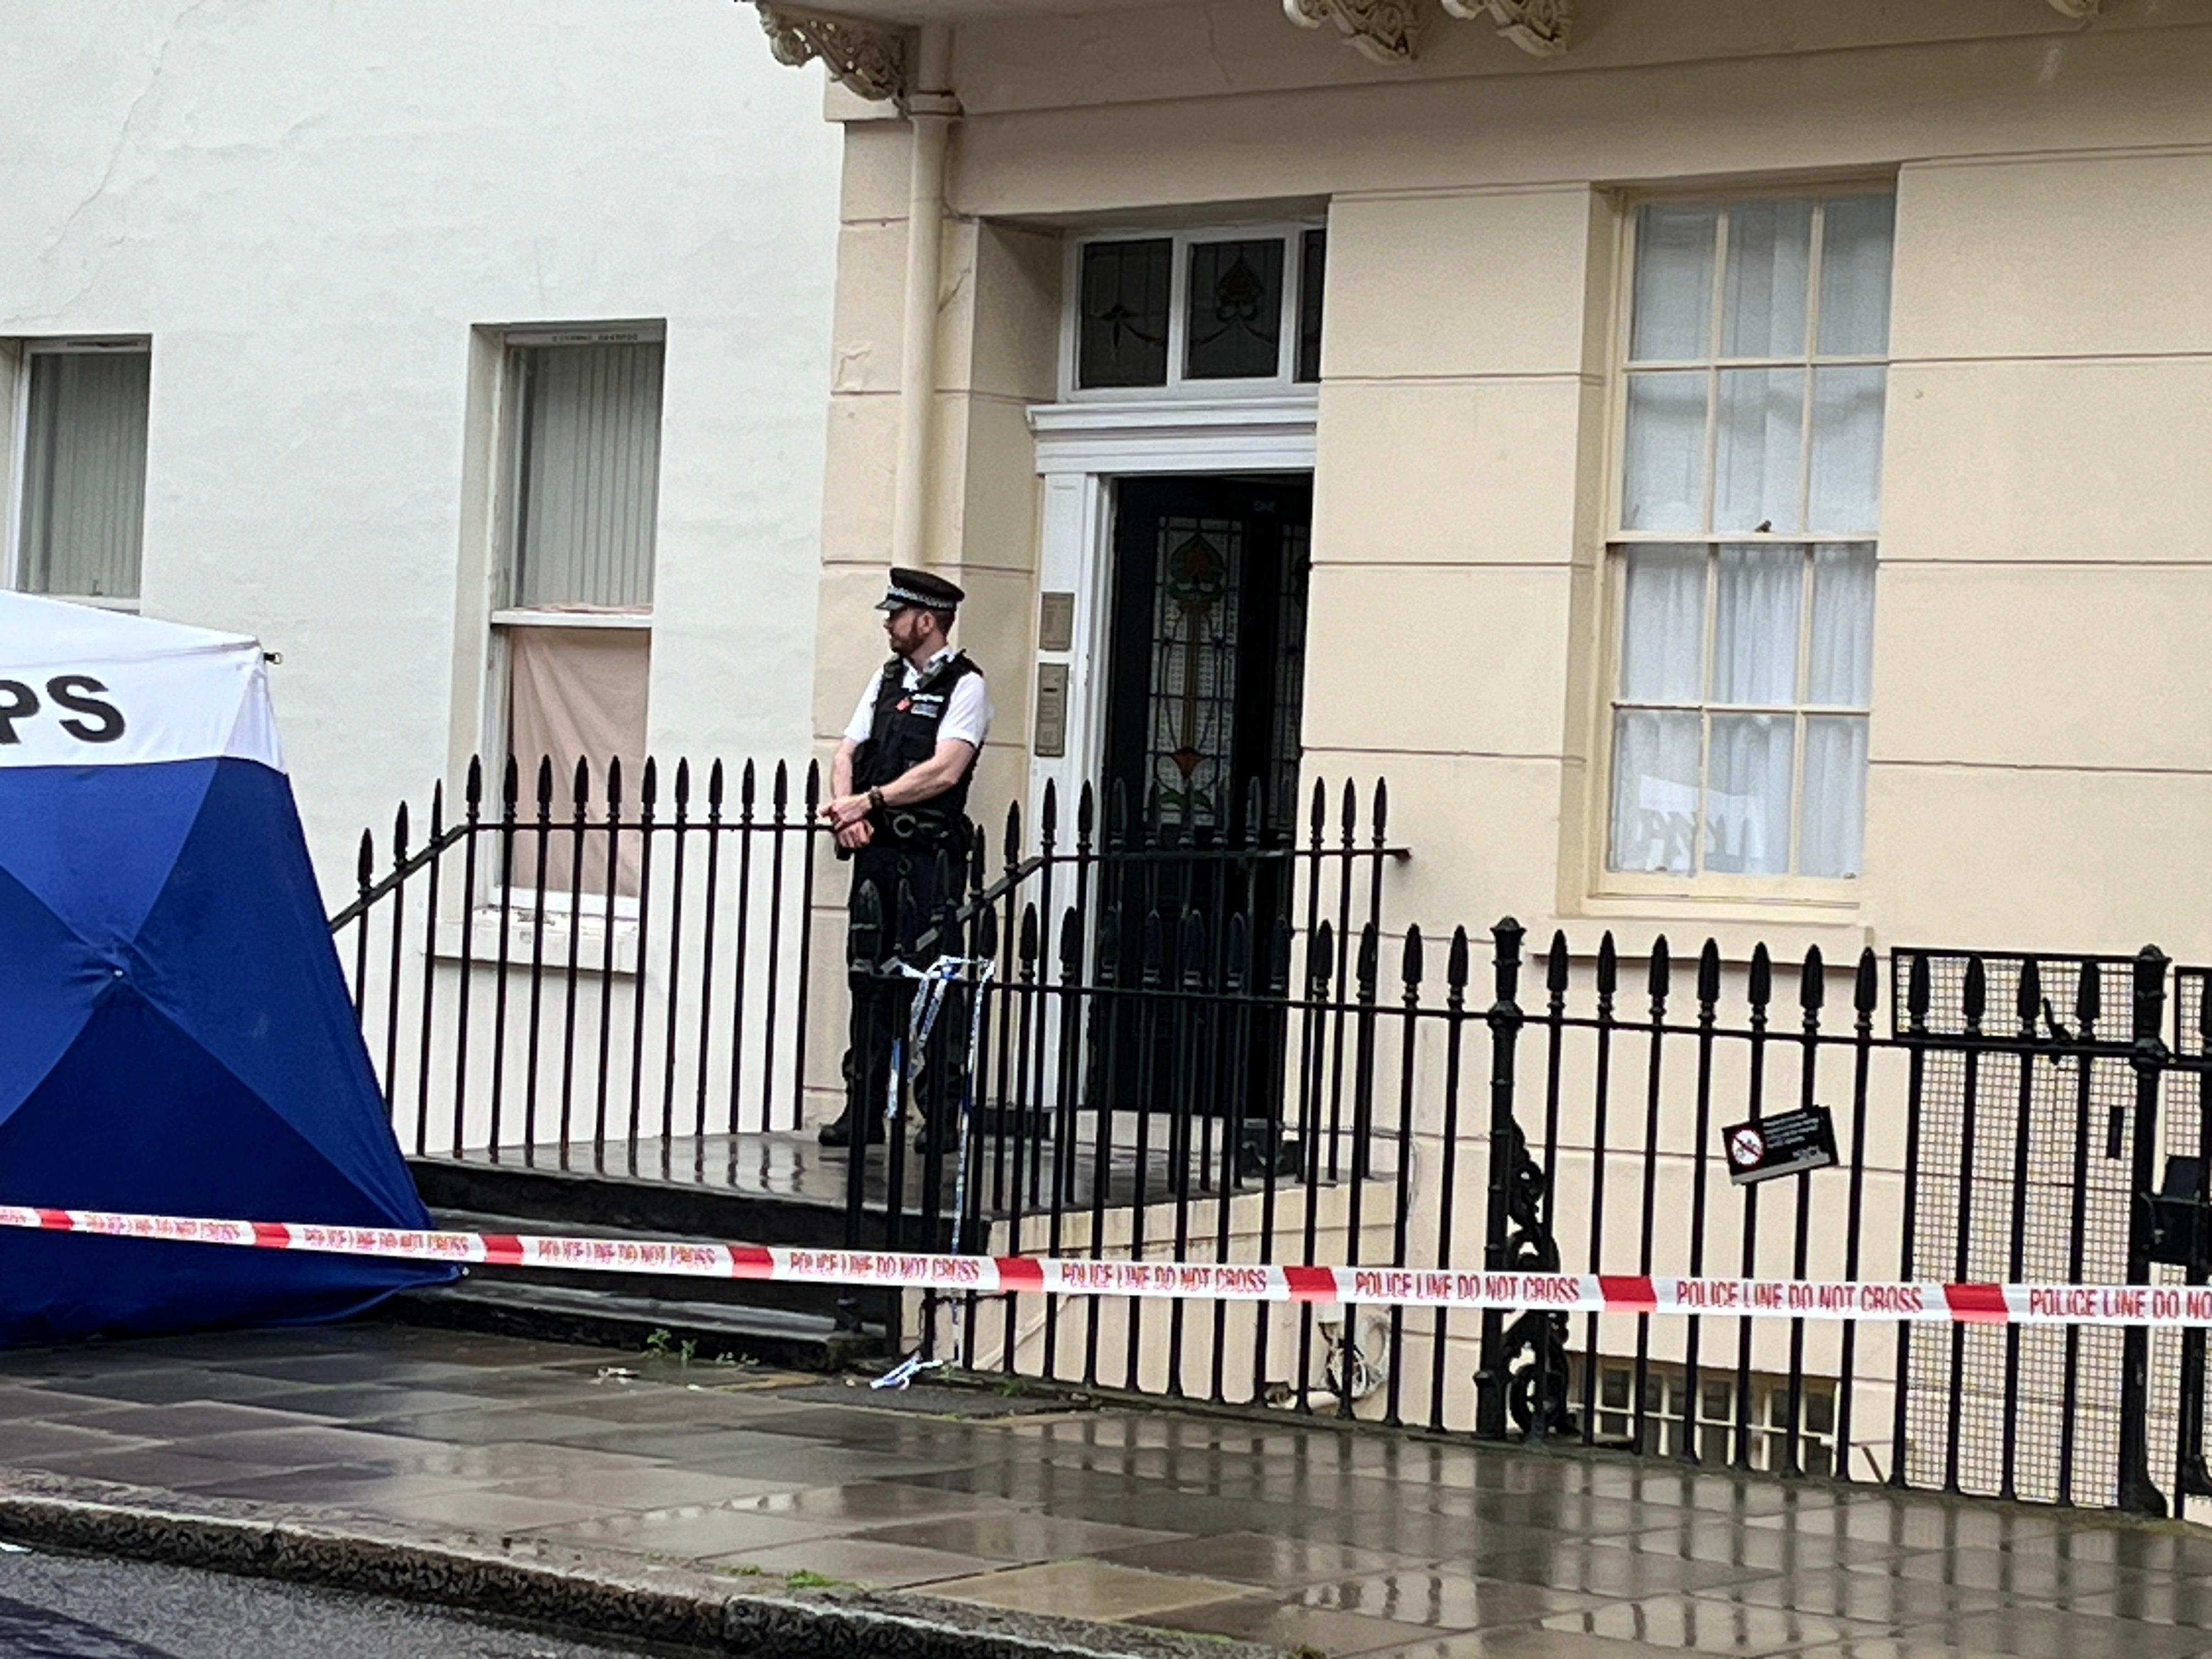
(743, 1486)
(857, 1560)
(1090, 1589)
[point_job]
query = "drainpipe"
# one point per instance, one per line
(931, 110)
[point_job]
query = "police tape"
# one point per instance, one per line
(1883, 1302)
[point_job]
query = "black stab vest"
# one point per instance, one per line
(902, 735)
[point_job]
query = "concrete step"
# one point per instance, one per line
(597, 1318)
(822, 1299)
(563, 1199)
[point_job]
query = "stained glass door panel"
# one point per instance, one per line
(1190, 712)
(1204, 683)
(1209, 649)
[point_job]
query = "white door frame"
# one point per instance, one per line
(1081, 448)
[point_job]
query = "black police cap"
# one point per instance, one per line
(918, 588)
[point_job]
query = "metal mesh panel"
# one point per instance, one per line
(2020, 1203)
(2052, 1207)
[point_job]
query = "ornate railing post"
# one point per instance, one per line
(2137, 1495)
(1518, 1239)
(1507, 1148)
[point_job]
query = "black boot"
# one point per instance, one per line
(939, 1138)
(838, 1132)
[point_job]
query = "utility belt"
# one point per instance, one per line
(917, 831)
(917, 828)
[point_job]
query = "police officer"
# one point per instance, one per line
(898, 806)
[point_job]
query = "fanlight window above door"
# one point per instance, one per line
(1194, 313)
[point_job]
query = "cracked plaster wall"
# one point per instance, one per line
(309, 206)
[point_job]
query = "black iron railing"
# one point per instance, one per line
(1202, 1041)
(518, 1001)
(584, 976)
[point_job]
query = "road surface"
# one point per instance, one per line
(55, 1606)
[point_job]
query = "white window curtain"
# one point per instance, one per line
(1673, 318)
(1770, 257)
(1654, 790)
(1739, 724)
(1761, 590)
(1656, 751)
(1757, 450)
(1858, 234)
(1839, 673)
(1846, 459)
(1664, 467)
(84, 474)
(1743, 823)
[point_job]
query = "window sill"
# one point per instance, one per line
(93, 601)
(1787, 928)
(578, 618)
(552, 947)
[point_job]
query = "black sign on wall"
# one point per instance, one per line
(1785, 1144)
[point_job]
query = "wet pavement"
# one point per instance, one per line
(1270, 1531)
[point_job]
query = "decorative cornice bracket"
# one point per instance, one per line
(1540, 28)
(866, 59)
(1383, 31)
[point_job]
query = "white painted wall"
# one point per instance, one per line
(309, 206)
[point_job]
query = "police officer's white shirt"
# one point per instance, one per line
(967, 711)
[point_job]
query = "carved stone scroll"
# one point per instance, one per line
(1539, 28)
(868, 60)
(1385, 31)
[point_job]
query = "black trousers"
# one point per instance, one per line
(881, 1003)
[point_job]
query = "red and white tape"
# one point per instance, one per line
(1888, 1301)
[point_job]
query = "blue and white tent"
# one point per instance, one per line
(175, 1036)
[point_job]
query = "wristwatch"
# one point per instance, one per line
(875, 799)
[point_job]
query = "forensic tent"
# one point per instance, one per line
(175, 1034)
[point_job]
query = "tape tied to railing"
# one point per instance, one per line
(1875, 1302)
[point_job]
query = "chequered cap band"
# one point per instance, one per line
(925, 601)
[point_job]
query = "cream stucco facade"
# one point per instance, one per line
(2036, 776)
